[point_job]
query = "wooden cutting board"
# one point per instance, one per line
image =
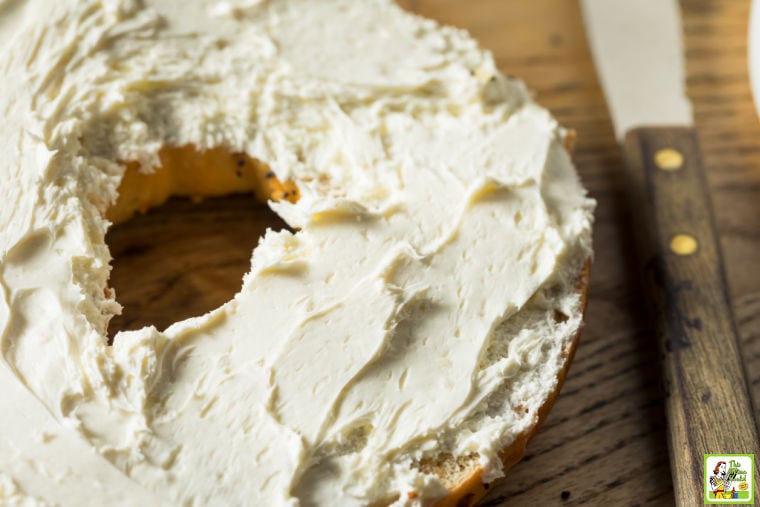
(604, 441)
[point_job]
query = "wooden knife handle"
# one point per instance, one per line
(708, 407)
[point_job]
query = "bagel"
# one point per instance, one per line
(398, 347)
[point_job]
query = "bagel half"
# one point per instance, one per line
(398, 345)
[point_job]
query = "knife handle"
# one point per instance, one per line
(707, 402)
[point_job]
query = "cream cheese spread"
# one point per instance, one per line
(440, 227)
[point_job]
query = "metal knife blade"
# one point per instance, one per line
(637, 47)
(753, 45)
(638, 50)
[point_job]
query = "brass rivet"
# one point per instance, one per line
(668, 159)
(683, 244)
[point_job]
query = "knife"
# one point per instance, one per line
(638, 51)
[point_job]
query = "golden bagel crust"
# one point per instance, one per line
(184, 172)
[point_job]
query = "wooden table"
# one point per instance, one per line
(604, 441)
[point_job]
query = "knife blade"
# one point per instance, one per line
(637, 48)
(638, 52)
(753, 57)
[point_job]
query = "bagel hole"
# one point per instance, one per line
(183, 259)
(187, 256)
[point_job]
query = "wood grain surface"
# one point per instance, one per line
(604, 441)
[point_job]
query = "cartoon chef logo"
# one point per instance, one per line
(729, 478)
(720, 481)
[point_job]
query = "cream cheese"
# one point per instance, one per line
(440, 226)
